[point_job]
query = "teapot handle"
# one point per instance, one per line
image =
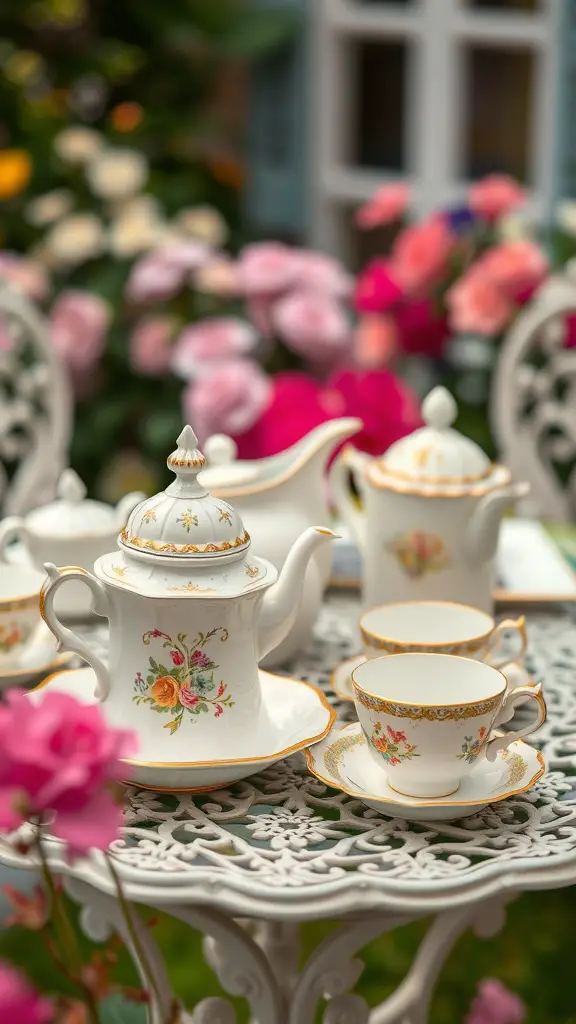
(349, 461)
(67, 639)
(12, 528)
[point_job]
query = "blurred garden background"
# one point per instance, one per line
(260, 215)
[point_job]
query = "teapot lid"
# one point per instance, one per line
(223, 468)
(72, 514)
(185, 521)
(436, 459)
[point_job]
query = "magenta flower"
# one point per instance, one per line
(19, 1002)
(177, 658)
(388, 204)
(211, 341)
(187, 698)
(267, 268)
(313, 325)
(200, 659)
(79, 322)
(228, 397)
(377, 290)
(150, 345)
(495, 1004)
(58, 755)
(495, 195)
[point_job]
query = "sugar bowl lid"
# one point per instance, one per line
(437, 460)
(72, 514)
(185, 521)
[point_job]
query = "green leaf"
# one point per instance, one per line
(163, 670)
(153, 664)
(150, 680)
(202, 707)
(257, 32)
(116, 1009)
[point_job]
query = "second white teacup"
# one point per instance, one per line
(20, 619)
(439, 627)
(427, 718)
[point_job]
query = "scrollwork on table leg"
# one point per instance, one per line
(238, 962)
(99, 909)
(280, 941)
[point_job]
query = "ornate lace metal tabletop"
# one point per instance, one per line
(282, 847)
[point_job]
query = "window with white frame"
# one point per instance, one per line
(437, 92)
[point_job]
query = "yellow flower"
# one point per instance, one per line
(15, 172)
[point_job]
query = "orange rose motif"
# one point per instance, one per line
(165, 692)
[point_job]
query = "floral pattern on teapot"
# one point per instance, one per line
(419, 553)
(188, 687)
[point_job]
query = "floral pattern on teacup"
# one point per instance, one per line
(188, 687)
(393, 746)
(419, 553)
(11, 636)
(471, 747)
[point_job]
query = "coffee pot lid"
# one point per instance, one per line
(72, 514)
(185, 521)
(437, 459)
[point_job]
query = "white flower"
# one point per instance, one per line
(205, 223)
(143, 206)
(78, 145)
(75, 239)
(130, 235)
(50, 207)
(117, 173)
(566, 216)
(513, 228)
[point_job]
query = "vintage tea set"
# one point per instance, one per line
(196, 620)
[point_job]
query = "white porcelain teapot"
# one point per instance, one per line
(191, 612)
(277, 498)
(433, 504)
(71, 530)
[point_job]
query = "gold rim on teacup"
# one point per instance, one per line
(421, 704)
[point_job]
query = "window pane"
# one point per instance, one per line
(507, 5)
(377, 114)
(498, 109)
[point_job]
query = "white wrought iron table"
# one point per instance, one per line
(246, 866)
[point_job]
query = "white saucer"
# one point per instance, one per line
(40, 659)
(342, 761)
(295, 713)
(341, 677)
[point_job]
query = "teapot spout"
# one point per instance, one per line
(125, 506)
(281, 602)
(484, 525)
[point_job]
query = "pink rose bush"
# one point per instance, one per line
(388, 204)
(229, 397)
(211, 341)
(495, 196)
(495, 1004)
(150, 345)
(78, 324)
(19, 1003)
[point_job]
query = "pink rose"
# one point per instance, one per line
(387, 406)
(177, 658)
(514, 267)
(495, 195)
(294, 409)
(150, 345)
(187, 698)
(200, 659)
(160, 275)
(79, 322)
(58, 755)
(312, 325)
(477, 306)
(317, 272)
(266, 268)
(495, 1004)
(375, 341)
(19, 1004)
(388, 204)
(26, 275)
(420, 255)
(211, 341)
(377, 290)
(228, 398)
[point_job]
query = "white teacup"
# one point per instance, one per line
(439, 627)
(20, 618)
(428, 717)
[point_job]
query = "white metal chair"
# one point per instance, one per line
(35, 408)
(533, 401)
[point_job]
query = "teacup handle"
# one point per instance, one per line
(506, 712)
(12, 528)
(519, 626)
(67, 639)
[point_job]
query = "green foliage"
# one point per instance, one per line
(118, 1010)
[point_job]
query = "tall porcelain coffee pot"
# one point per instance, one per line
(191, 612)
(433, 504)
(277, 498)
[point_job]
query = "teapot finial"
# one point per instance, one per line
(187, 458)
(439, 409)
(221, 450)
(70, 487)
